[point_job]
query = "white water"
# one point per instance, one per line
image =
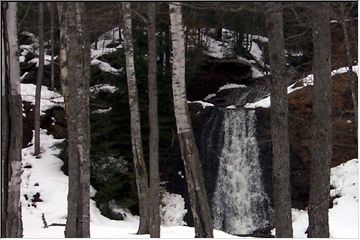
(240, 205)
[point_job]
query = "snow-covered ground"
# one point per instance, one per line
(344, 216)
(49, 99)
(43, 176)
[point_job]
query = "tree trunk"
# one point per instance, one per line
(63, 18)
(194, 176)
(321, 138)
(11, 223)
(349, 62)
(139, 163)
(78, 120)
(40, 75)
(154, 128)
(279, 121)
(51, 7)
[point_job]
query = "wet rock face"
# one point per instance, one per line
(214, 74)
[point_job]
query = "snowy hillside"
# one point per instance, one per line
(44, 186)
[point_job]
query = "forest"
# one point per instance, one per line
(179, 119)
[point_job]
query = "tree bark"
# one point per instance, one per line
(138, 157)
(154, 127)
(40, 75)
(352, 77)
(63, 18)
(194, 176)
(77, 63)
(11, 223)
(279, 121)
(321, 138)
(51, 7)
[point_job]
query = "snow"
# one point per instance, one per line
(106, 67)
(46, 178)
(344, 216)
(306, 81)
(216, 49)
(260, 38)
(172, 210)
(256, 73)
(231, 107)
(47, 60)
(231, 85)
(204, 104)
(23, 76)
(103, 87)
(264, 103)
(210, 96)
(102, 110)
(256, 52)
(49, 99)
(105, 39)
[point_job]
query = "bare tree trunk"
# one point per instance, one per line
(349, 61)
(279, 121)
(51, 7)
(77, 52)
(4, 126)
(139, 163)
(11, 224)
(321, 138)
(154, 127)
(194, 176)
(63, 18)
(40, 75)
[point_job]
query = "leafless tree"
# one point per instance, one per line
(194, 176)
(279, 121)
(11, 132)
(322, 137)
(137, 149)
(40, 74)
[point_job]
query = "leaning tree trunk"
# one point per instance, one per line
(40, 75)
(349, 62)
(51, 7)
(139, 163)
(78, 121)
(154, 127)
(321, 128)
(279, 121)
(194, 176)
(11, 224)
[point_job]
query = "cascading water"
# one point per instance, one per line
(239, 203)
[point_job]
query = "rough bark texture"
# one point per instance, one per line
(78, 120)
(11, 224)
(279, 121)
(321, 139)
(63, 18)
(138, 157)
(194, 177)
(40, 74)
(4, 127)
(154, 127)
(349, 61)
(51, 7)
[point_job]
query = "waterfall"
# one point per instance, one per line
(239, 203)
